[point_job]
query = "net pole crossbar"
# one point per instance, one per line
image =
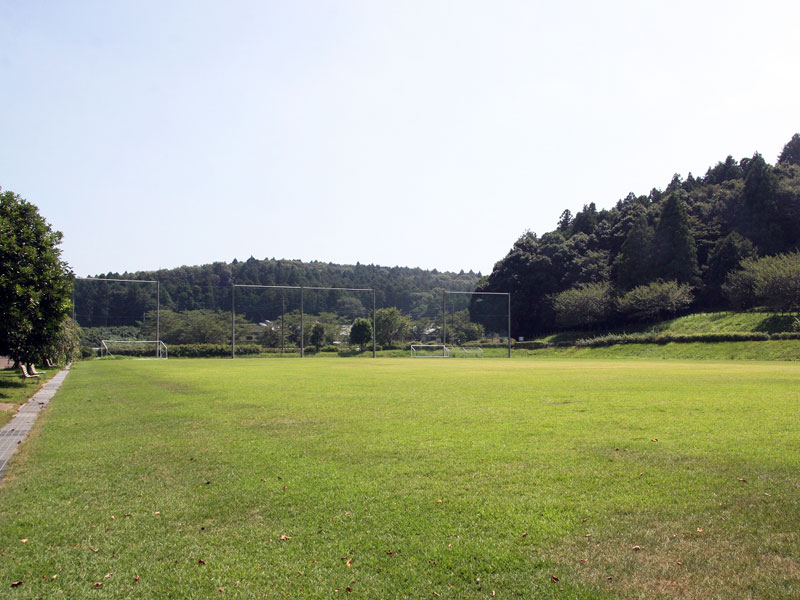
(485, 293)
(121, 280)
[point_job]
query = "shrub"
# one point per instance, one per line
(771, 281)
(584, 305)
(655, 300)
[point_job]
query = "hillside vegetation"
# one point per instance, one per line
(700, 244)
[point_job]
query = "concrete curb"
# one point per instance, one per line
(16, 430)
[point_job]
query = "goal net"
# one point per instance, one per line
(133, 348)
(430, 351)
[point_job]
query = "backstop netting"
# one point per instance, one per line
(267, 320)
(116, 309)
(476, 324)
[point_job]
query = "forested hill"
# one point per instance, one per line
(417, 292)
(604, 266)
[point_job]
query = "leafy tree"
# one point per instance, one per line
(674, 250)
(318, 336)
(391, 326)
(655, 300)
(35, 284)
(770, 281)
(584, 305)
(461, 329)
(361, 333)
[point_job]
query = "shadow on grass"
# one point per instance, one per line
(776, 324)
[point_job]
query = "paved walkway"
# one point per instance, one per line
(17, 429)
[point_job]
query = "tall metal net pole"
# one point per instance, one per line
(233, 320)
(444, 320)
(302, 341)
(158, 319)
(374, 329)
(283, 310)
(509, 325)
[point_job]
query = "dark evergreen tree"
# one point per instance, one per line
(632, 266)
(727, 255)
(760, 217)
(674, 249)
(790, 155)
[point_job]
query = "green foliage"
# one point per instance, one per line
(318, 336)
(694, 232)
(35, 284)
(461, 328)
(674, 250)
(790, 155)
(655, 300)
(64, 346)
(194, 327)
(771, 281)
(391, 326)
(361, 333)
(585, 305)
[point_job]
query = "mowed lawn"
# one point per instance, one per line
(400, 478)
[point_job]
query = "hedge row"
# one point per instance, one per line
(680, 338)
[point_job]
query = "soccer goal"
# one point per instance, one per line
(468, 351)
(133, 348)
(430, 351)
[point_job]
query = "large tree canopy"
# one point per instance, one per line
(35, 284)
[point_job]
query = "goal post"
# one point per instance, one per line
(133, 348)
(430, 351)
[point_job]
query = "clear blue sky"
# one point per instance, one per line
(420, 133)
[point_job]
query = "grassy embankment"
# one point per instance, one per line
(409, 479)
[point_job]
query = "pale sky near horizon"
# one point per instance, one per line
(420, 133)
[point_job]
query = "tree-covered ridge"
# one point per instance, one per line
(691, 236)
(415, 291)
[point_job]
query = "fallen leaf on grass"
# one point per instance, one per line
(200, 561)
(349, 563)
(285, 538)
(654, 440)
(680, 563)
(54, 577)
(348, 589)
(108, 576)
(525, 534)
(438, 501)
(390, 553)
(97, 584)
(637, 548)
(136, 579)
(699, 530)
(494, 594)
(16, 583)
(742, 479)
(554, 579)
(609, 578)
(95, 550)
(24, 541)
(157, 513)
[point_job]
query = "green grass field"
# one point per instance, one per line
(15, 391)
(398, 478)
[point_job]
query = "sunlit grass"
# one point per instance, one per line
(402, 478)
